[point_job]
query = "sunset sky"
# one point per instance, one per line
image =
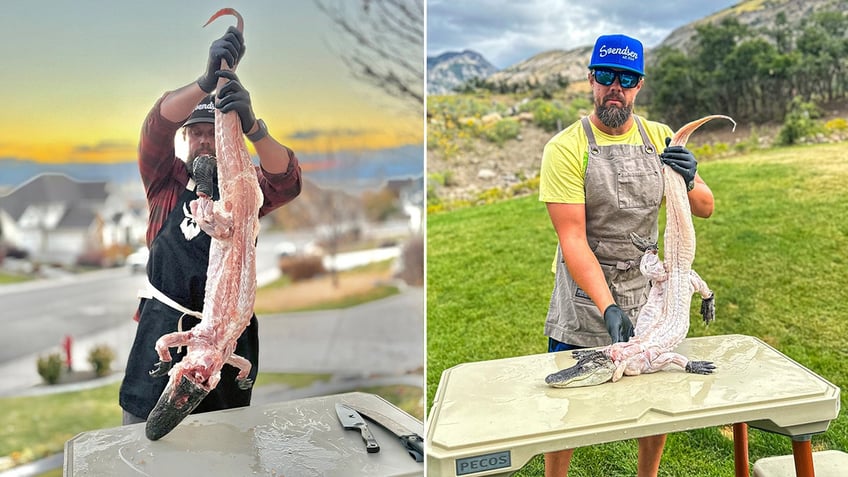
(79, 77)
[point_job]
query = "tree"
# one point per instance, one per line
(383, 44)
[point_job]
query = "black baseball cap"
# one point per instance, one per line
(204, 112)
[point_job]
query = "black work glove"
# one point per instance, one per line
(233, 97)
(229, 47)
(682, 161)
(618, 324)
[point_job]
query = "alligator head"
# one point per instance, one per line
(591, 369)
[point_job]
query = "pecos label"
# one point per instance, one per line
(482, 463)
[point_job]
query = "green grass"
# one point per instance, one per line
(775, 252)
(7, 278)
(34, 427)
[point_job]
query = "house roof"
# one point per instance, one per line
(52, 188)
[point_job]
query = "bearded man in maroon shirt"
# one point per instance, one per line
(179, 249)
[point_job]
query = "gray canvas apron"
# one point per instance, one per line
(624, 189)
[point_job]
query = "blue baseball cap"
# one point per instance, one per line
(618, 51)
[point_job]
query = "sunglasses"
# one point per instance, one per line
(625, 79)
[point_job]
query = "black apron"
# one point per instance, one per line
(179, 257)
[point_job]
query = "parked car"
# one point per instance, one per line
(137, 261)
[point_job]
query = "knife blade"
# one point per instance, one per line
(351, 419)
(411, 441)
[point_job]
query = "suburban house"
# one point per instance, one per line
(59, 220)
(410, 192)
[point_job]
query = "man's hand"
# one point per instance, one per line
(233, 97)
(618, 324)
(229, 48)
(682, 161)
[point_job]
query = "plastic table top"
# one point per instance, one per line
(301, 437)
(491, 417)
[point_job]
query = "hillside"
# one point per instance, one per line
(558, 66)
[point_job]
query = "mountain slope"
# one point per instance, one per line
(450, 70)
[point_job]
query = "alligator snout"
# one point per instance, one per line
(591, 369)
(173, 406)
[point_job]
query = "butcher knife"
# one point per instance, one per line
(411, 441)
(351, 419)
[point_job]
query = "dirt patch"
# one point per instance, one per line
(313, 292)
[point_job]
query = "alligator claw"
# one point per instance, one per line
(708, 309)
(700, 367)
(244, 384)
(161, 369)
(644, 245)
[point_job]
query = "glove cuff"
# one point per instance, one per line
(203, 81)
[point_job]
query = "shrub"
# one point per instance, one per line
(50, 367)
(502, 131)
(100, 357)
(301, 268)
(799, 123)
(837, 125)
(412, 262)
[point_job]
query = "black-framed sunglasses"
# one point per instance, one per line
(625, 79)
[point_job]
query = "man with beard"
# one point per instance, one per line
(601, 180)
(179, 249)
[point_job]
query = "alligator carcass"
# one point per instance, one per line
(663, 321)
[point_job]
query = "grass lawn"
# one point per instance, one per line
(353, 287)
(775, 252)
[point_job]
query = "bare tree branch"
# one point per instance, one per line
(383, 44)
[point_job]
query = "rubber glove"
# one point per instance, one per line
(229, 47)
(618, 324)
(682, 161)
(233, 97)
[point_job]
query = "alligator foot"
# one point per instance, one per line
(161, 369)
(592, 368)
(708, 309)
(700, 367)
(244, 384)
(644, 245)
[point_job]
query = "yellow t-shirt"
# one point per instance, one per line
(566, 155)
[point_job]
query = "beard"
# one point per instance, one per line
(613, 116)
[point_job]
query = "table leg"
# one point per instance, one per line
(803, 451)
(740, 449)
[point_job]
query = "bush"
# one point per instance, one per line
(412, 262)
(301, 268)
(799, 123)
(502, 131)
(50, 367)
(550, 115)
(100, 357)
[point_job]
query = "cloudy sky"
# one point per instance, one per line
(79, 77)
(507, 32)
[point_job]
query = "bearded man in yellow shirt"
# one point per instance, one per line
(601, 180)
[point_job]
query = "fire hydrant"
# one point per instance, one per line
(67, 342)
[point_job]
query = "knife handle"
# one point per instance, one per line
(414, 445)
(370, 443)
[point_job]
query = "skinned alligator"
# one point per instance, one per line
(663, 321)
(233, 223)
